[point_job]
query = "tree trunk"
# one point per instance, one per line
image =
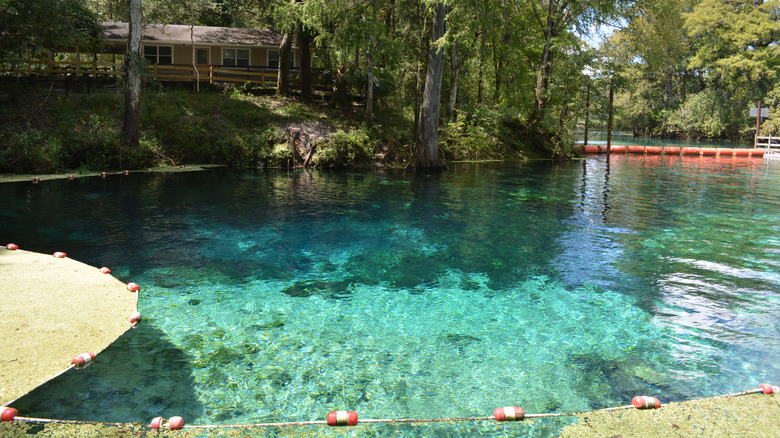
(455, 68)
(132, 124)
(427, 155)
(370, 80)
(283, 80)
(306, 74)
(194, 56)
(480, 82)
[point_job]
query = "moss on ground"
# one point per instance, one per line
(754, 415)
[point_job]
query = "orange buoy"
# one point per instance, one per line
(741, 152)
(590, 149)
(619, 149)
(12, 246)
(725, 152)
(83, 360)
(132, 287)
(769, 389)
(654, 150)
(757, 153)
(691, 151)
(672, 150)
(342, 418)
(8, 414)
(135, 318)
(710, 152)
(644, 402)
(509, 413)
(60, 255)
(105, 270)
(636, 149)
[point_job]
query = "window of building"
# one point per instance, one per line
(202, 56)
(162, 55)
(273, 59)
(235, 57)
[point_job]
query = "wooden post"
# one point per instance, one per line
(609, 121)
(587, 112)
(211, 74)
(758, 125)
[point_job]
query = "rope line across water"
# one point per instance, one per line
(350, 418)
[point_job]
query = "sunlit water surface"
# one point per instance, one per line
(281, 296)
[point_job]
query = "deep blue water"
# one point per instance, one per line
(282, 295)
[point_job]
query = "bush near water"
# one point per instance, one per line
(46, 132)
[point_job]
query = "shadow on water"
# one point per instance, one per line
(138, 377)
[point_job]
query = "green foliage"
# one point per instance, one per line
(345, 149)
(701, 116)
(35, 27)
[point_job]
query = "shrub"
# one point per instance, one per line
(345, 149)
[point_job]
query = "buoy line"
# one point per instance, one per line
(350, 418)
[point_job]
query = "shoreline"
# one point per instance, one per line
(28, 177)
(750, 415)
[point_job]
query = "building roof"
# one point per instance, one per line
(207, 35)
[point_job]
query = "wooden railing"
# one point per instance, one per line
(204, 73)
(768, 142)
(63, 68)
(213, 74)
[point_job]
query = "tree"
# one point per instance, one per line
(27, 29)
(556, 18)
(427, 144)
(133, 64)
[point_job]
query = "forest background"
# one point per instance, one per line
(515, 78)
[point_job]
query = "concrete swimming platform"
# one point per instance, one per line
(54, 310)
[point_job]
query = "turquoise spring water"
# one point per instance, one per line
(283, 295)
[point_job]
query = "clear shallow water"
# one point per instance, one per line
(280, 296)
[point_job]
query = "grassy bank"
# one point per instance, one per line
(46, 132)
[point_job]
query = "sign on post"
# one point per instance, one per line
(764, 112)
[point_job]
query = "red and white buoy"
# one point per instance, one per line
(769, 389)
(135, 318)
(8, 414)
(132, 287)
(156, 423)
(342, 418)
(174, 423)
(36, 180)
(148, 169)
(72, 177)
(12, 246)
(509, 413)
(60, 255)
(105, 270)
(127, 172)
(644, 402)
(102, 174)
(83, 360)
